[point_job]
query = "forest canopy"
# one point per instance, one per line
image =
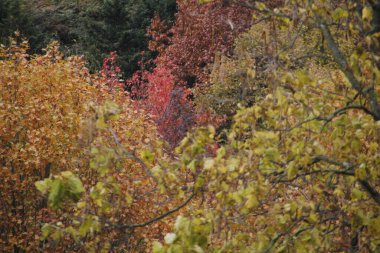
(190, 126)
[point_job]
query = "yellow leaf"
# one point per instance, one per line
(292, 170)
(367, 13)
(251, 202)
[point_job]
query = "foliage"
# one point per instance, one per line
(64, 185)
(245, 76)
(53, 128)
(188, 237)
(124, 27)
(42, 101)
(12, 17)
(111, 72)
(90, 27)
(235, 80)
(120, 190)
(199, 31)
(298, 172)
(167, 102)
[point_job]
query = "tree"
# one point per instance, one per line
(92, 27)
(186, 49)
(240, 79)
(55, 126)
(12, 18)
(199, 32)
(299, 170)
(41, 104)
(167, 102)
(125, 24)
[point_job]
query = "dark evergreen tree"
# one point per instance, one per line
(12, 18)
(125, 24)
(92, 28)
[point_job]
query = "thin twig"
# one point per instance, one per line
(162, 216)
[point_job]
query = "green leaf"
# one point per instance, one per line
(47, 229)
(158, 248)
(251, 202)
(43, 186)
(292, 170)
(100, 123)
(55, 195)
(208, 164)
(339, 13)
(260, 6)
(357, 194)
(199, 182)
(147, 156)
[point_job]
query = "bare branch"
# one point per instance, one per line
(158, 218)
(371, 191)
(326, 119)
(342, 63)
(348, 170)
(343, 110)
(132, 156)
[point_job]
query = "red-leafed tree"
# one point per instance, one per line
(111, 72)
(167, 102)
(178, 117)
(200, 30)
(159, 86)
(185, 51)
(160, 35)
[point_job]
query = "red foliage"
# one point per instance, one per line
(111, 73)
(185, 50)
(159, 32)
(160, 84)
(199, 32)
(178, 117)
(167, 102)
